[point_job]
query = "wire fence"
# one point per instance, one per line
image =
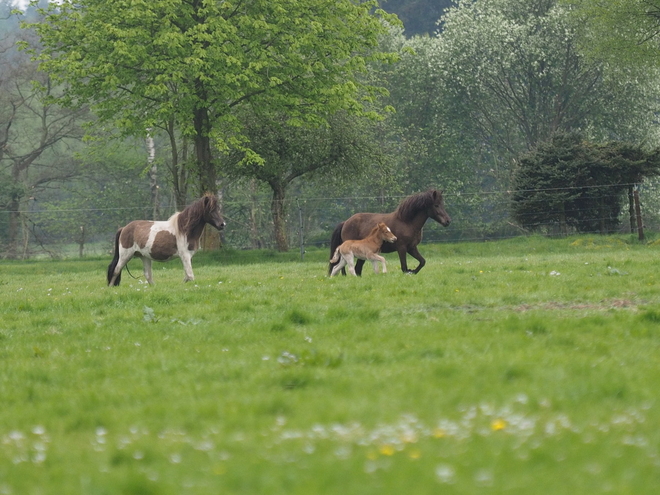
(49, 230)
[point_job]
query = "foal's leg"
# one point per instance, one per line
(340, 265)
(375, 259)
(186, 259)
(350, 262)
(146, 268)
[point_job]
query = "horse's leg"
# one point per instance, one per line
(358, 267)
(125, 256)
(339, 266)
(375, 259)
(414, 252)
(186, 259)
(402, 258)
(146, 268)
(350, 263)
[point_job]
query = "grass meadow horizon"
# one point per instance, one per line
(527, 365)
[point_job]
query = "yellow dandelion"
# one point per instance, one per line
(439, 433)
(456, 290)
(498, 424)
(414, 454)
(372, 455)
(387, 450)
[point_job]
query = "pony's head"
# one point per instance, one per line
(437, 210)
(204, 210)
(212, 213)
(430, 202)
(384, 233)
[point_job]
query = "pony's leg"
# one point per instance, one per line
(413, 251)
(402, 258)
(146, 268)
(125, 256)
(375, 259)
(339, 266)
(358, 267)
(350, 263)
(186, 259)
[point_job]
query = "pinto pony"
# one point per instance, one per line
(365, 249)
(406, 223)
(165, 240)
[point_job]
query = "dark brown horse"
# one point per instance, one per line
(406, 222)
(165, 240)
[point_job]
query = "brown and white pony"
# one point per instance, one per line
(406, 222)
(165, 240)
(364, 249)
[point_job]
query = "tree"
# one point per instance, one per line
(621, 31)
(346, 145)
(194, 62)
(513, 74)
(570, 182)
(35, 137)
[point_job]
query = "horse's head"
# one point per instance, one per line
(385, 234)
(212, 213)
(437, 210)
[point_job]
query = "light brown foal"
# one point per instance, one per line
(365, 249)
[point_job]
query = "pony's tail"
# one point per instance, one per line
(115, 260)
(335, 257)
(335, 242)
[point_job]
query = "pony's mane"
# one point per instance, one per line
(193, 215)
(412, 205)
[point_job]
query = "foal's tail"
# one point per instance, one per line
(335, 242)
(335, 258)
(115, 260)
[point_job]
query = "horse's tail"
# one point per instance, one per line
(335, 257)
(335, 242)
(115, 260)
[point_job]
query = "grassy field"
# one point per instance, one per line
(521, 366)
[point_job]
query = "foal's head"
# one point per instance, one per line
(384, 233)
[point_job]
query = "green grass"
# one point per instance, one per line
(520, 366)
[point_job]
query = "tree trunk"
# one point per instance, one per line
(178, 168)
(278, 211)
(205, 167)
(638, 214)
(631, 210)
(255, 240)
(153, 175)
(14, 226)
(208, 179)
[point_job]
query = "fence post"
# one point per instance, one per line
(302, 244)
(638, 213)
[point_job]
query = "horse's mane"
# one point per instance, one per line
(412, 205)
(193, 215)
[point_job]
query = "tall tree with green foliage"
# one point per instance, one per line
(347, 145)
(569, 182)
(196, 61)
(513, 73)
(621, 31)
